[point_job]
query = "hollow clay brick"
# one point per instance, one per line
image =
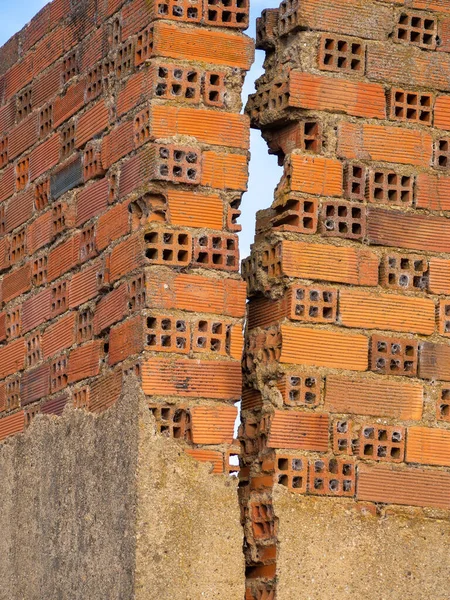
(316, 175)
(214, 47)
(428, 446)
(329, 263)
(323, 348)
(212, 424)
(320, 92)
(299, 431)
(390, 144)
(408, 230)
(391, 312)
(414, 487)
(219, 380)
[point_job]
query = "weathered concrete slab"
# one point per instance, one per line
(327, 550)
(100, 507)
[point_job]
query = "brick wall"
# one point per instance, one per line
(123, 158)
(347, 357)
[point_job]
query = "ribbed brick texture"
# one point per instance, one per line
(348, 279)
(123, 158)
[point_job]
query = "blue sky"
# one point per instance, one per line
(264, 173)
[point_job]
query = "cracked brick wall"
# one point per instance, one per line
(123, 158)
(347, 357)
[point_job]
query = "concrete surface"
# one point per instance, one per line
(328, 551)
(101, 508)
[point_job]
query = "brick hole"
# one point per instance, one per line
(22, 173)
(24, 104)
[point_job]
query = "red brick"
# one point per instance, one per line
(407, 230)
(2, 397)
(408, 66)
(329, 263)
(36, 310)
(316, 175)
(35, 384)
(299, 431)
(214, 47)
(84, 285)
(105, 391)
(213, 424)
(439, 282)
(136, 90)
(44, 157)
(19, 210)
(219, 380)
(135, 15)
(389, 144)
(91, 201)
(319, 92)
(36, 28)
(48, 50)
(67, 105)
(93, 49)
(84, 361)
(366, 19)
(91, 123)
(7, 116)
(4, 254)
(17, 282)
(433, 192)
(46, 86)
(7, 182)
(434, 361)
(126, 339)
(63, 258)
(117, 144)
(208, 126)
(323, 348)
(225, 171)
(207, 456)
(375, 396)
(59, 336)
(109, 7)
(12, 357)
(392, 312)
(12, 424)
(127, 256)
(111, 309)
(24, 135)
(196, 293)
(414, 487)
(191, 209)
(39, 233)
(19, 76)
(2, 327)
(112, 225)
(9, 53)
(55, 406)
(428, 446)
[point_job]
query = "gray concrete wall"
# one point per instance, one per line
(101, 508)
(68, 507)
(188, 524)
(328, 550)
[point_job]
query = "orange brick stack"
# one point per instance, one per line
(347, 360)
(123, 158)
